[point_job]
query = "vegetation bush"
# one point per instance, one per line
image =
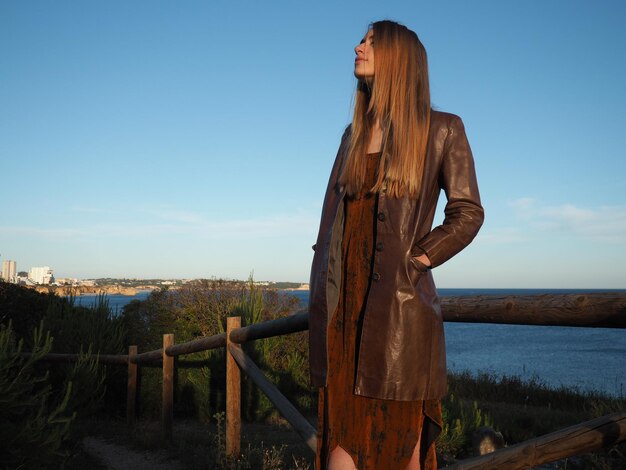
(200, 308)
(34, 420)
(39, 401)
(24, 308)
(522, 409)
(77, 327)
(283, 359)
(88, 331)
(461, 418)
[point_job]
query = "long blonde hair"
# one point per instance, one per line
(399, 99)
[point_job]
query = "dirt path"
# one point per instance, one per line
(117, 457)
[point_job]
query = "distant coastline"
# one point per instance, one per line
(122, 288)
(114, 289)
(302, 287)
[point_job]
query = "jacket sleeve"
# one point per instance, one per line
(463, 212)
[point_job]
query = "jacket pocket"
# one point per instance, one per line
(416, 269)
(421, 267)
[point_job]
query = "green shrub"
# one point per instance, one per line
(200, 308)
(77, 328)
(460, 419)
(34, 422)
(88, 331)
(24, 308)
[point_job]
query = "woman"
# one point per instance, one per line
(376, 332)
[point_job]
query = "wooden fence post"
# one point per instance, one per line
(131, 389)
(167, 412)
(233, 394)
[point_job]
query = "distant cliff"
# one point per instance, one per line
(114, 289)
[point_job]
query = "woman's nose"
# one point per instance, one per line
(358, 48)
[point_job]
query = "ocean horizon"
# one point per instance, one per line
(580, 358)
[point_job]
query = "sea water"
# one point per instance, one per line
(116, 302)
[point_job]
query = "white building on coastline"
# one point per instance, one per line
(41, 275)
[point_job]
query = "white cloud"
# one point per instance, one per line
(502, 235)
(278, 226)
(522, 204)
(605, 224)
(180, 216)
(42, 232)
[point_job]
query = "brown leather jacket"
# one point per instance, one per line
(402, 349)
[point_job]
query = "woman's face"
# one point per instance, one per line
(364, 60)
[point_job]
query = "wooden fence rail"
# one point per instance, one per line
(606, 310)
(198, 345)
(603, 310)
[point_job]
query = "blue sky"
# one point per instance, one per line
(194, 139)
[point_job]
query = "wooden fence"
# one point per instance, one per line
(606, 310)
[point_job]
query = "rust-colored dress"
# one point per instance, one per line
(378, 434)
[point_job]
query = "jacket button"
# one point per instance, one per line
(376, 276)
(379, 246)
(381, 216)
